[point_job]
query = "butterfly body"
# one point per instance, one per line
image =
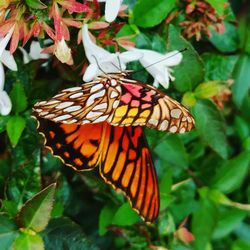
(101, 123)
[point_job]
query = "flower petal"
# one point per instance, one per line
(5, 103)
(2, 77)
(36, 51)
(4, 41)
(26, 57)
(91, 49)
(90, 72)
(111, 9)
(8, 60)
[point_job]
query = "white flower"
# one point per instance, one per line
(35, 52)
(8, 60)
(101, 61)
(158, 65)
(63, 52)
(112, 8)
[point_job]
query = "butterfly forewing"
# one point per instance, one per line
(126, 164)
(144, 105)
(90, 103)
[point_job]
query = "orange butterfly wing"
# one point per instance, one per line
(127, 165)
(77, 146)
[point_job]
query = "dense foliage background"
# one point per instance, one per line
(203, 175)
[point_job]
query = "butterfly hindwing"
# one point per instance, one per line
(126, 164)
(77, 146)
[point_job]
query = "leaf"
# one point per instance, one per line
(106, 217)
(242, 76)
(172, 150)
(219, 67)
(231, 174)
(36, 4)
(18, 98)
(62, 233)
(29, 242)
(227, 41)
(219, 6)
(207, 90)
(211, 127)
(36, 212)
(203, 223)
(240, 245)
(229, 220)
(8, 232)
(15, 127)
(190, 72)
(125, 216)
(3, 123)
(149, 13)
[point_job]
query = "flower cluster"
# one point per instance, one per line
(21, 21)
(200, 17)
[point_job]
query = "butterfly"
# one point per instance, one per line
(100, 123)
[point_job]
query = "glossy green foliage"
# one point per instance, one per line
(203, 175)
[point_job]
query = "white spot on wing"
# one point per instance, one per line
(173, 129)
(115, 104)
(96, 87)
(113, 82)
(76, 95)
(72, 108)
(101, 118)
(175, 113)
(62, 117)
(93, 114)
(64, 105)
(101, 106)
(92, 98)
(153, 122)
(164, 125)
(113, 94)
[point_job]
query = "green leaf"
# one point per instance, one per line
(188, 99)
(36, 212)
(229, 220)
(106, 217)
(219, 67)
(208, 89)
(218, 5)
(204, 222)
(125, 216)
(149, 13)
(242, 76)
(36, 4)
(62, 233)
(231, 174)
(172, 150)
(29, 242)
(18, 98)
(227, 41)
(3, 123)
(190, 72)
(8, 232)
(211, 126)
(240, 245)
(15, 127)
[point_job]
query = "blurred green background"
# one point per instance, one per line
(203, 175)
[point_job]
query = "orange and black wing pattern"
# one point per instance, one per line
(76, 145)
(127, 165)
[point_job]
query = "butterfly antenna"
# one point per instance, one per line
(180, 51)
(99, 66)
(119, 61)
